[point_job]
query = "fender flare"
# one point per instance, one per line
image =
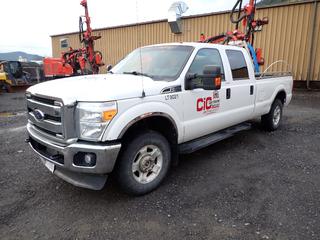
(138, 112)
(279, 89)
(144, 116)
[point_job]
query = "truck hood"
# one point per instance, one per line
(103, 87)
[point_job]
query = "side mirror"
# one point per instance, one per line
(209, 80)
(109, 67)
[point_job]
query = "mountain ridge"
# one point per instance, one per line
(14, 56)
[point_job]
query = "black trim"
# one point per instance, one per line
(43, 150)
(43, 100)
(251, 90)
(172, 89)
(228, 93)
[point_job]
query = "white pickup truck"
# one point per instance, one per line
(158, 102)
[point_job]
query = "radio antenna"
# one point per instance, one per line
(143, 94)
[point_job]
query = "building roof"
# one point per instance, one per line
(185, 17)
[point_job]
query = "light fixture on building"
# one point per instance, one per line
(174, 16)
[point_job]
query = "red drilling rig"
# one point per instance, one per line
(243, 39)
(80, 61)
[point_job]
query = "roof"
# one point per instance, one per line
(196, 45)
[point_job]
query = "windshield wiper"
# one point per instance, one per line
(138, 74)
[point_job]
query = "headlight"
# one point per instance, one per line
(94, 118)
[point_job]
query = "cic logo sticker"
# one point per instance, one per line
(209, 104)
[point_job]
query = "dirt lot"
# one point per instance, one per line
(255, 185)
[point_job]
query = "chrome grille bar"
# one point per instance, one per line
(49, 125)
(46, 114)
(54, 111)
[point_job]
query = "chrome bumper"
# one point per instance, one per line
(63, 159)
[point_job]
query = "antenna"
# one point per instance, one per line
(143, 94)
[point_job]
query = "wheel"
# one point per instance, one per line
(144, 163)
(272, 120)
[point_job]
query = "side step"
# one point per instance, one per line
(205, 141)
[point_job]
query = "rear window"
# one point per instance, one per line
(238, 65)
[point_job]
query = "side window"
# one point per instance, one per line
(238, 65)
(206, 57)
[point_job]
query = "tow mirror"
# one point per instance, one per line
(109, 67)
(210, 79)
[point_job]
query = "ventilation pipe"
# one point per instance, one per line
(174, 16)
(312, 45)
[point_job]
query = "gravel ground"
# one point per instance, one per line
(255, 185)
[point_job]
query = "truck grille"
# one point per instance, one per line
(46, 114)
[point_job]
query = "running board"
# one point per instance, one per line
(205, 141)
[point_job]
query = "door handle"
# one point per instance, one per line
(251, 90)
(228, 93)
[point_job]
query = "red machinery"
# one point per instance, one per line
(77, 61)
(246, 38)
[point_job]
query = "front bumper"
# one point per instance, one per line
(62, 161)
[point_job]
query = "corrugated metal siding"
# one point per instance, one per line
(316, 67)
(286, 37)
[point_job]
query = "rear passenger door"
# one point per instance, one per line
(240, 93)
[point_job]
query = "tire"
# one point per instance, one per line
(144, 163)
(272, 120)
(7, 88)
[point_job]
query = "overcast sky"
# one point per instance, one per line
(26, 25)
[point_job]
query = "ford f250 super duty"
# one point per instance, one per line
(158, 102)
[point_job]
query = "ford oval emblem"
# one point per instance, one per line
(39, 115)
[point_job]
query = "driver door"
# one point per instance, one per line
(204, 109)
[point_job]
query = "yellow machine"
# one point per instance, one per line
(15, 75)
(5, 82)
(11, 75)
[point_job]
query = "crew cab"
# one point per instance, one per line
(156, 103)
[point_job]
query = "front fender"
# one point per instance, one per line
(128, 115)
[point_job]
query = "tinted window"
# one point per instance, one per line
(238, 65)
(15, 69)
(206, 57)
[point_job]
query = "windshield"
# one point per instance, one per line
(157, 62)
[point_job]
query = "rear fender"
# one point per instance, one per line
(280, 88)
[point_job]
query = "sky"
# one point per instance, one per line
(27, 24)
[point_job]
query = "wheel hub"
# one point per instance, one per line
(147, 164)
(276, 115)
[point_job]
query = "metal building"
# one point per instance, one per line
(292, 35)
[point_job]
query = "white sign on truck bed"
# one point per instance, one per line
(159, 101)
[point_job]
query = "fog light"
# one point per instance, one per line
(89, 158)
(85, 159)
